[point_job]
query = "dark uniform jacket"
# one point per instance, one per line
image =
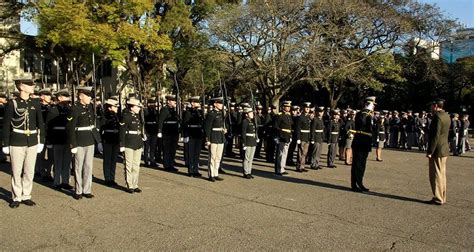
(380, 131)
(2, 114)
(261, 126)
(349, 128)
(363, 127)
(317, 129)
(56, 121)
(192, 124)
(269, 125)
(168, 122)
(453, 128)
(109, 129)
(131, 130)
(438, 145)
(13, 120)
(151, 121)
(303, 128)
(80, 127)
(334, 128)
(214, 127)
(283, 125)
(248, 133)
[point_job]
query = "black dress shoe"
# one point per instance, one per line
(284, 173)
(298, 170)
(313, 168)
(14, 204)
(77, 196)
(66, 186)
(218, 178)
(222, 171)
(58, 187)
(247, 176)
(319, 167)
(212, 179)
(198, 175)
(28, 202)
(251, 176)
(137, 190)
(130, 190)
(332, 166)
(356, 189)
(304, 170)
(364, 189)
(89, 195)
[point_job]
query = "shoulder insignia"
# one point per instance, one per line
(69, 118)
(122, 123)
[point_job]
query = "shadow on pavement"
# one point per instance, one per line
(5, 195)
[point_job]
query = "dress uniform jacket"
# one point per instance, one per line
(80, 128)
(317, 129)
(438, 145)
(192, 123)
(109, 129)
(16, 130)
(348, 128)
(363, 127)
(131, 131)
(56, 122)
(283, 126)
(151, 121)
(303, 128)
(334, 128)
(380, 131)
(168, 121)
(248, 133)
(214, 127)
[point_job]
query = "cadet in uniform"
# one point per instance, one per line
(151, 130)
(380, 133)
(291, 149)
(214, 130)
(317, 129)
(270, 134)
(56, 122)
(283, 125)
(362, 144)
(260, 130)
(45, 158)
(131, 143)
(249, 141)
(303, 136)
(168, 129)
(193, 134)
(349, 136)
(333, 138)
(23, 122)
(109, 132)
(82, 135)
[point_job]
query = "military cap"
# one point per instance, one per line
(273, 107)
(377, 112)
(370, 99)
(336, 112)
(307, 105)
(134, 102)
(114, 97)
(438, 101)
(151, 100)
(45, 91)
(112, 102)
(395, 112)
(259, 106)
(84, 90)
(320, 109)
(219, 99)
(423, 112)
(247, 110)
(63, 92)
(28, 82)
(132, 95)
(232, 104)
(455, 114)
(385, 111)
(352, 112)
(294, 108)
(171, 97)
(194, 99)
(36, 92)
(286, 104)
(245, 105)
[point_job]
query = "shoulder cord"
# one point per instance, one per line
(22, 116)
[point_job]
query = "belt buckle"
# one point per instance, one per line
(27, 132)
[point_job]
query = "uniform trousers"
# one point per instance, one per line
(316, 154)
(281, 155)
(110, 157)
(359, 162)
(194, 152)
(23, 160)
(437, 173)
(270, 149)
(132, 167)
(45, 162)
(302, 152)
(62, 164)
(332, 150)
(215, 156)
(454, 144)
(170, 144)
(248, 159)
(291, 152)
(83, 169)
(411, 139)
(150, 148)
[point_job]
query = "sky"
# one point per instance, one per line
(462, 10)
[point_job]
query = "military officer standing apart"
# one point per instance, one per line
(193, 134)
(168, 129)
(151, 130)
(215, 130)
(317, 129)
(249, 141)
(56, 122)
(131, 143)
(362, 144)
(438, 152)
(333, 138)
(82, 135)
(303, 136)
(23, 122)
(283, 125)
(109, 131)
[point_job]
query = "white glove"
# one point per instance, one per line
(275, 140)
(181, 139)
(258, 140)
(100, 148)
(208, 144)
(122, 149)
(49, 146)
(6, 150)
(160, 135)
(298, 141)
(291, 140)
(186, 139)
(144, 138)
(39, 148)
(74, 150)
(312, 142)
(244, 148)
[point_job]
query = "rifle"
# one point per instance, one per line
(226, 102)
(95, 89)
(254, 111)
(178, 99)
